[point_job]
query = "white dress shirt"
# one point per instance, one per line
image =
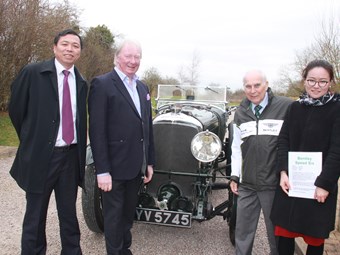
(73, 92)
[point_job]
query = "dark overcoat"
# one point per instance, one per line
(119, 136)
(34, 111)
(310, 129)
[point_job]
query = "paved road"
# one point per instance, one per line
(209, 237)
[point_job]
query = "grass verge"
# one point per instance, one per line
(8, 136)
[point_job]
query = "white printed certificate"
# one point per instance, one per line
(303, 168)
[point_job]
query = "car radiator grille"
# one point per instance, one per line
(172, 148)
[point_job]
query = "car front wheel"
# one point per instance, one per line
(91, 201)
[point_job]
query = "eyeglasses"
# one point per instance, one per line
(321, 84)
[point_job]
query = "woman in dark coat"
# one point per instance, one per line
(312, 124)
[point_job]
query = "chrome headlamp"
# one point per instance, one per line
(206, 146)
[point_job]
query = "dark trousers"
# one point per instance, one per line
(119, 206)
(63, 177)
(287, 247)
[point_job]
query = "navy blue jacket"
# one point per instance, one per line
(119, 136)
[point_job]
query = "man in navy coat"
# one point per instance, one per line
(45, 160)
(122, 143)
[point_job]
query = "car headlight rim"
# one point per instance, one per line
(206, 146)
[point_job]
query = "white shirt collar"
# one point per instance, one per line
(123, 76)
(60, 68)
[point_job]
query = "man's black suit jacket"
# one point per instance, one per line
(118, 134)
(34, 111)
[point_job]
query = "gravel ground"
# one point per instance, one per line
(206, 238)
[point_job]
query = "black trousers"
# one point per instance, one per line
(63, 177)
(286, 246)
(119, 206)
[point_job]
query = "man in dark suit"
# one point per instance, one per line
(122, 143)
(48, 110)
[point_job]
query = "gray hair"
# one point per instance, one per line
(264, 77)
(126, 42)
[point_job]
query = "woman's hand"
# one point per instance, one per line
(284, 182)
(320, 194)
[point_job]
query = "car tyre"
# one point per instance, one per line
(91, 201)
(229, 142)
(232, 220)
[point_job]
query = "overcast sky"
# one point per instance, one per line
(229, 37)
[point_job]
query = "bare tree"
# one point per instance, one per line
(237, 95)
(152, 78)
(193, 69)
(289, 82)
(27, 28)
(182, 77)
(52, 18)
(326, 46)
(13, 49)
(170, 81)
(190, 74)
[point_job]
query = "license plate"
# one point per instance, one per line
(168, 218)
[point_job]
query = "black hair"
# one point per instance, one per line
(67, 32)
(319, 63)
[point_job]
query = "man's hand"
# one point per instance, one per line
(234, 187)
(284, 182)
(320, 194)
(104, 182)
(149, 174)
